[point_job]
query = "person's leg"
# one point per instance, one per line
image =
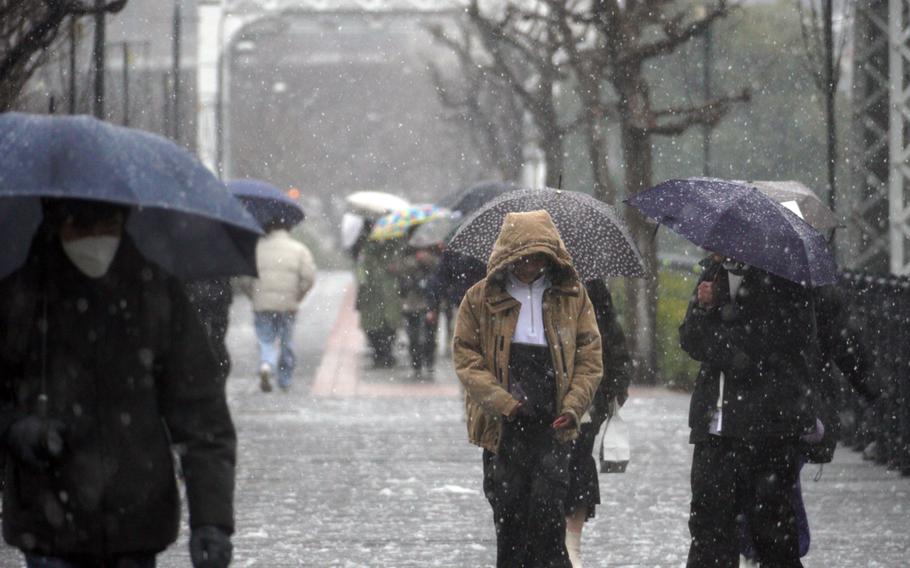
(385, 343)
(415, 349)
(584, 490)
(505, 485)
(429, 343)
(38, 561)
(266, 332)
(575, 523)
(713, 510)
(772, 519)
(547, 502)
(286, 359)
(135, 561)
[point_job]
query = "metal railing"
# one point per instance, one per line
(881, 305)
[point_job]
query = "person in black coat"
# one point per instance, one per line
(104, 367)
(754, 334)
(584, 487)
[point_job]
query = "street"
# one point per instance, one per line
(355, 467)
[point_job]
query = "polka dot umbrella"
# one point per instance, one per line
(594, 233)
(396, 224)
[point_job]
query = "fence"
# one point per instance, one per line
(881, 304)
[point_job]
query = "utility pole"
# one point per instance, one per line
(73, 94)
(98, 56)
(126, 83)
(176, 70)
(830, 93)
(706, 78)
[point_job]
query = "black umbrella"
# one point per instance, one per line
(737, 220)
(594, 233)
(477, 196)
(182, 217)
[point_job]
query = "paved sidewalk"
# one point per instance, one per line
(370, 470)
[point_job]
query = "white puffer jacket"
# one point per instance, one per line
(286, 273)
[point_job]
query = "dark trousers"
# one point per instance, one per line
(421, 340)
(382, 342)
(731, 477)
(526, 485)
(133, 561)
(527, 482)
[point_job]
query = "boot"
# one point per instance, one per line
(573, 547)
(265, 375)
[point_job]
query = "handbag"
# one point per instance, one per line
(612, 443)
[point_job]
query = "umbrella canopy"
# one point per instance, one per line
(397, 223)
(737, 220)
(477, 196)
(594, 233)
(374, 204)
(266, 203)
(182, 218)
(436, 231)
(814, 211)
(440, 230)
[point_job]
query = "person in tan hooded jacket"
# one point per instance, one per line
(528, 352)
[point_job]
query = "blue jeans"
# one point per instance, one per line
(272, 328)
(136, 561)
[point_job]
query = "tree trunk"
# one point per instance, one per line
(551, 142)
(635, 111)
(603, 189)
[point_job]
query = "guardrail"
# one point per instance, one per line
(882, 306)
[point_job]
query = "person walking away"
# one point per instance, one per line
(286, 273)
(378, 298)
(103, 367)
(753, 333)
(421, 328)
(527, 350)
(584, 486)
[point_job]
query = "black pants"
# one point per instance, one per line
(526, 485)
(382, 341)
(421, 340)
(732, 477)
(527, 482)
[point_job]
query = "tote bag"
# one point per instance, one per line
(612, 444)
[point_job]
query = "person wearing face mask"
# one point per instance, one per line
(528, 352)
(104, 367)
(754, 334)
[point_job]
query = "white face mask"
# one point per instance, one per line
(92, 255)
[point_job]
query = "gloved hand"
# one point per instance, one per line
(210, 547)
(36, 441)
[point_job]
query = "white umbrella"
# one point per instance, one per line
(374, 204)
(351, 226)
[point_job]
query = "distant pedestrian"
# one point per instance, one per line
(103, 367)
(286, 273)
(420, 324)
(584, 485)
(379, 299)
(753, 333)
(527, 350)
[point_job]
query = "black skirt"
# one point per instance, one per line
(584, 485)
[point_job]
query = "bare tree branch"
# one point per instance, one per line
(684, 118)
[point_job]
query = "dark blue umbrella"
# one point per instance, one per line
(266, 203)
(182, 217)
(737, 220)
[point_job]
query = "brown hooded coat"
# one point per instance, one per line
(486, 323)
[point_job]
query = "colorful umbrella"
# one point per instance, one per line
(397, 223)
